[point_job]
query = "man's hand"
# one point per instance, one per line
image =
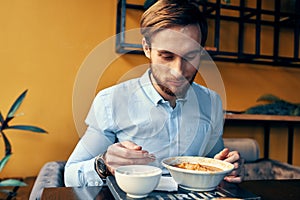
(126, 153)
(236, 176)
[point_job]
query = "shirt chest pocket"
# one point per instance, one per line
(143, 125)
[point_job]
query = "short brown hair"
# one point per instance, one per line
(168, 13)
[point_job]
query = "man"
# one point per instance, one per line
(161, 114)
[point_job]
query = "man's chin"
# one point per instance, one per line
(175, 91)
(179, 94)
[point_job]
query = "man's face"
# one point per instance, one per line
(175, 58)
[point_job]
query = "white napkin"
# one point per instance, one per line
(167, 183)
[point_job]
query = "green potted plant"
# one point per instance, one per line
(4, 125)
(274, 106)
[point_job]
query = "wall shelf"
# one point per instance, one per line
(274, 22)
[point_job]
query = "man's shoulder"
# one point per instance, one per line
(123, 87)
(200, 89)
(206, 94)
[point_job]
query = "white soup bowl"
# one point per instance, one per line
(137, 180)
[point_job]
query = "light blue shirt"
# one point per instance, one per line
(134, 110)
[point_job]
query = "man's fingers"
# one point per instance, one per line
(127, 150)
(222, 154)
(237, 175)
(130, 145)
(128, 153)
(233, 179)
(232, 156)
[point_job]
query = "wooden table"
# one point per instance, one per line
(266, 189)
(70, 193)
(274, 189)
(267, 121)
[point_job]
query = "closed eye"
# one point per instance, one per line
(192, 55)
(166, 55)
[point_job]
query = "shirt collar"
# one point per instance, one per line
(149, 89)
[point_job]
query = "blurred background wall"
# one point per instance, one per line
(42, 47)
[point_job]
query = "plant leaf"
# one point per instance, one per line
(12, 182)
(28, 128)
(5, 191)
(16, 105)
(4, 161)
(1, 118)
(7, 144)
(269, 98)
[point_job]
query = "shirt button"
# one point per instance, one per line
(97, 183)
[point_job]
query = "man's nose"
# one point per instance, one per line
(178, 67)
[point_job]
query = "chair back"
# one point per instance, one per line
(247, 147)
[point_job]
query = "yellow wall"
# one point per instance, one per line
(42, 47)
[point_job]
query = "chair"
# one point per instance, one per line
(52, 173)
(247, 147)
(256, 168)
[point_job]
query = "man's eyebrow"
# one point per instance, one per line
(194, 51)
(190, 52)
(165, 51)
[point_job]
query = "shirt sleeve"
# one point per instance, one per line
(81, 173)
(79, 169)
(217, 122)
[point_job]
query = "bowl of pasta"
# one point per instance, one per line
(197, 173)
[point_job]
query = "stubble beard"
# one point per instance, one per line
(163, 86)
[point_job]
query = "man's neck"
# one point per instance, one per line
(171, 99)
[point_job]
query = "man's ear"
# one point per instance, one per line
(146, 48)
